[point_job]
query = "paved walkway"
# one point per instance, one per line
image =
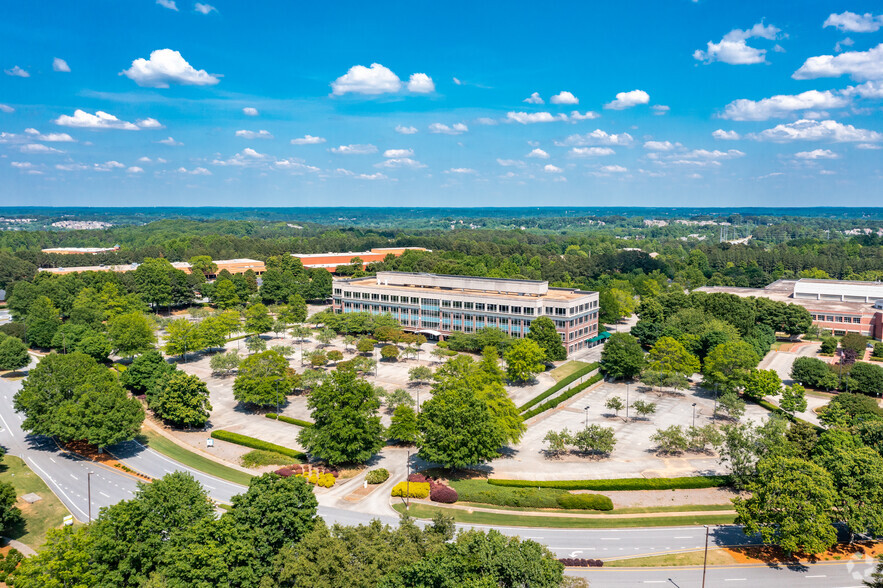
(26, 551)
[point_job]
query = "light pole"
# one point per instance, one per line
(89, 493)
(408, 483)
(627, 387)
(694, 415)
(705, 559)
(276, 381)
(587, 417)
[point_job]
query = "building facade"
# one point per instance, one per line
(330, 261)
(234, 266)
(839, 306)
(438, 305)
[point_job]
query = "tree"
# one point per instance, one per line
(10, 515)
(334, 355)
(762, 383)
(728, 365)
(420, 374)
(325, 336)
(224, 363)
(365, 345)
(848, 409)
(643, 408)
(258, 319)
(793, 399)
(204, 265)
(301, 332)
(403, 427)
(672, 440)
(144, 370)
(75, 398)
(595, 439)
(615, 404)
(298, 308)
(855, 342)
(857, 473)
(13, 354)
(182, 336)
(730, 403)
(389, 352)
(346, 426)
(318, 358)
(622, 356)
(181, 399)
(543, 331)
(96, 346)
(63, 561)
(153, 280)
(812, 372)
(224, 294)
(212, 331)
(866, 378)
(558, 442)
(255, 344)
(458, 429)
(263, 379)
(670, 364)
(42, 321)
(791, 505)
(524, 358)
(699, 438)
(829, 345)
(348, 341)
(130, 334)
(397, 397)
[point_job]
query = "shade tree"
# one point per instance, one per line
(622, 356)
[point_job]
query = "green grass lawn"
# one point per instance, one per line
(422, 511)
(562, 371)
(615, 511)
(193, 460)
(40, 516)
(716, 557)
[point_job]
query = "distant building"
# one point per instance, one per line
(841, 306)
(331, 261)
(438, 305)
(234, 266)
(79, 250)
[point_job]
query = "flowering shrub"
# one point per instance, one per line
(284, 472)
(578, 562)
(378, 476)
(417, 489)
(443, 494)
(419, 478)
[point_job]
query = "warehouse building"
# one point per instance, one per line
(330, 261)
(438, 305)
(234, 266)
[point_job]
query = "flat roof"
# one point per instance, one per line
(785, 296)
(554, 294)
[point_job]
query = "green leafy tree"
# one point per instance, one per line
(731, 404)
(347, 426)
(643, 408)
(298, 308)
(458, 429)
(524, 359)
(672, 440)
(542, 330)
(866, 378)
(829, 345)
(263, 379)
(212, 331)
(420, 374)
(204, 265)
(855, 342)
(558, 442)
(42, 321)
(335, 355)
(96, 346)
(153, 280)
(318, 358)
(325, 336)
(365, 345)
(622, 356)
(144, 370)
(810, 371)
(595, 439)
(793, 399)
(224, 295)
(224, 363)
(791, 505)
(403, 427)
(181, 399)
(727, 366)
(762, 383)
(670, 364)
(13, 354)
(10, 515)
(389, 352)
(857, 473)
(301, 332)
(615, 404)
(182, 336)
(131, 334)
(255, 344)
(258, 319)
(64, 561)
(397, 397)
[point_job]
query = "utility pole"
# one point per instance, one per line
(694, 415)
(627, 386)
(705, 559)
(89, 493)
(408, 483)
(587, 417)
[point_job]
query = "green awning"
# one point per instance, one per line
(599, 337)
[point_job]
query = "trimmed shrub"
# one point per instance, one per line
(479, 491)
(585, 502)
(247, 441)
(284, 472)
(558, 385)
(259, 457)
(559, 399)
(685, 483)
(416, 489)
(443, 494)
(378, 476)
(579, 562)
(419, 478)
(287, 419)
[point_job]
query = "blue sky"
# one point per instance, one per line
(681, 103)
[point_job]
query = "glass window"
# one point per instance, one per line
(468, 305)
(458, 304)
(479, 306)
(504, 308)
(446, 303)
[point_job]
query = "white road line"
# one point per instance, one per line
(103, 494)
(52, 460)
(817, 576)
(74, 477)
(684, 537)
(734, 579)
(654, 581)
(60, 489)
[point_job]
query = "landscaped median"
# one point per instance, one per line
(288, 419)
(562, 397)
(254, 443)
(192, 459)
(610, 485)
(565, 381)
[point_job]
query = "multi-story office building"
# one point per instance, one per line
(438, 305)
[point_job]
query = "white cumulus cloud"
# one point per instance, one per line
(204, 8)
(660, 109)
(100, 120)
(6, 108)
(307, 140)
(614, 169)
(399, 162)
(596, 137)
(170, 4)
(818, 130)
(526, 118)
(261, 134)
(575, 115)
(591, 151)
(538, 153)
(17, 72)
(135, 170)
(373, 80)
(354, 149)
(443, 129)
(461, 170)
(734, 49)
(534, 98)
(398, 153)
(552, 169)
(723, 135)
(860, 65)
(250, 111)
(659, 145)
(564, 98)
(38, 148)
(855, 23)
(420, 83)
(59, 64)
(782, 105)
(165, 67)
(49, 137)
(406, 130)
(816, 154)
(628, 99)
(170, 142)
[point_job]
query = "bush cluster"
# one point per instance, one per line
(317, 479)
(559, 399)
(260, 457)
(685, 483)
(324, 478)
(579, 562)
(289, 420)
(585, 501)
(438, 492)
(247, 441)
(416, 489)
(378, 476)
(558, 385)
(8, 564)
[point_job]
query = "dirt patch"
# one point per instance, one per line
(772, 554)
(361, 493)
(91, 453)
(655, 498)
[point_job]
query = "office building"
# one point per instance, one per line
(330, 261)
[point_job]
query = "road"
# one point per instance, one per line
(66, 476)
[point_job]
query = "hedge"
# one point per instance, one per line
(559, 399)
(378, 476)
(416, 489)
(585, 501)
(561, 384)
(685, 483)
(287, 419)
(775, 409)
(247, 441)
(443, 494)
(479, 491)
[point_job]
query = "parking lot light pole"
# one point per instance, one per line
(587, 417)
(627, 387)
(408, 483)
(694, 415)
(89, 493)
(705, 559)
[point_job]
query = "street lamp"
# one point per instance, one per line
(627, 387)
(89, 493)
(587, 416)
(705, 559)
(408, 483)
(276, 381)
(694, 415)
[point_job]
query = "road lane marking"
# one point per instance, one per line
(817, 576)
(684, 537)
(74, 477)
(734, 579)
(103, 494)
